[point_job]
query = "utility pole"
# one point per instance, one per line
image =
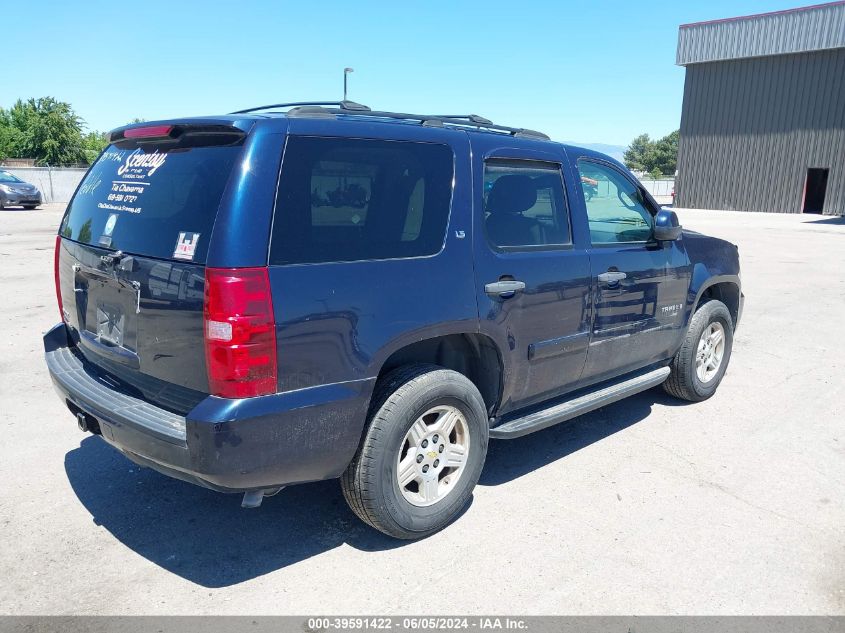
(346, 72)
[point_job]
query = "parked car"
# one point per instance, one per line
(16, 192)
(225, 325)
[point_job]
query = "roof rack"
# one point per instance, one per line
(351, 108)
(345, 105)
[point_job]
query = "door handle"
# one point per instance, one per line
(612, 276)
(505, 288)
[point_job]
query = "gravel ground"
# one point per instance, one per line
(649, 506)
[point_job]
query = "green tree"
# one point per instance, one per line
(666, 153)
(93, 143)
(636, 156)
(655, 157)
(44, 129)
(10, 136)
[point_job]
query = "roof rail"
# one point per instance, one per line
(472, 117)
(345, 105)
(350, 108)
(465, 120)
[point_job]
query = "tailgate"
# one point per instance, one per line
(131, 264)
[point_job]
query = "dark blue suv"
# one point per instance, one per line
(310, 291)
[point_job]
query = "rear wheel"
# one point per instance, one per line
(700, 364)
(422, 453)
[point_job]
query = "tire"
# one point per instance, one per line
(685, 380)
(422, 397)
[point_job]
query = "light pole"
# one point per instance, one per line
(346, 71)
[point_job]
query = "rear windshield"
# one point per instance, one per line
(152, 200)
(346, 199)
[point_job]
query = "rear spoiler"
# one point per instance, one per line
(182, 133)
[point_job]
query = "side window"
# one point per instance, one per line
(524, 204)
(615, 208)
(346, 199)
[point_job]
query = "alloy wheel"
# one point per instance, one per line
(433, 455)
(711, 350)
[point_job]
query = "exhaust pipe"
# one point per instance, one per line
(253, 498)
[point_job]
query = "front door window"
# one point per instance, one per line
(616, 210)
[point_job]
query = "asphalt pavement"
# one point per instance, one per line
(649, 506)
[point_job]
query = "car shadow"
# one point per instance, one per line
(206, 538)
(510, 459)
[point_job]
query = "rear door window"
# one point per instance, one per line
(361, 199)
(155, 200)
(524, 204)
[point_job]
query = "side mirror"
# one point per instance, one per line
(667, 228)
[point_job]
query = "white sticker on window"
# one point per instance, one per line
(138, 163)
(110, 224)
(186, 246)
(105, 238)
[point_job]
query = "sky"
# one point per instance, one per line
(597, 72)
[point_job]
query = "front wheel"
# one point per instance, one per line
(422, 453)
(700, 364)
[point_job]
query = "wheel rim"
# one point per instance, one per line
(711, 351)
(433, 456)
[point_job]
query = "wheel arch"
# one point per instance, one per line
(471, 354)
(724, 288)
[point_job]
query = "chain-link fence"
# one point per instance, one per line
(660, 188)
(56, 184)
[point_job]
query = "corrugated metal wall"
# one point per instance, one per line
(793, 31)
(750, 128)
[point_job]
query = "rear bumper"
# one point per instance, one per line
(227, 445)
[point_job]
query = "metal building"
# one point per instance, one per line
(763, 120)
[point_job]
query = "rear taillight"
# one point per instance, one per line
(57, 277)
(240, 336)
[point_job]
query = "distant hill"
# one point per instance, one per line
(614, 151)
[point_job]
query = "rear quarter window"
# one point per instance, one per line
(361, 199)
(144, 200)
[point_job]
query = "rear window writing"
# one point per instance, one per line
(154, 201)
(361, 199)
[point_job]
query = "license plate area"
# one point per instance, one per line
(107, 309)
(111, 323)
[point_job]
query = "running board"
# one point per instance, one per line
(580, 405)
